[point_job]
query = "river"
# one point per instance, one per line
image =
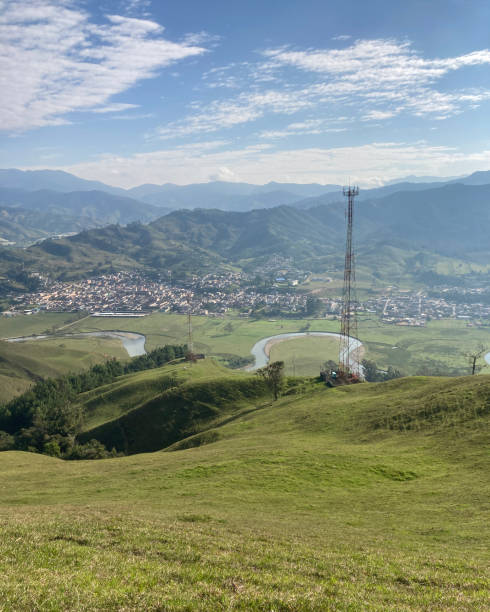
(260, 349)
(133, 343)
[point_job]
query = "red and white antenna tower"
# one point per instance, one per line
(348, 360)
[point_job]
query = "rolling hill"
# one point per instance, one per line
(354, 498)
(70, 204)
(26, 216)
(184, 241)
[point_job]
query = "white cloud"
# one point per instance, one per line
(136, 6)
(54, 60)
(227, 113)
(372, 80)
(302, 128)
(377, 115)
(383, 71)
(114, 108)
(369, 165)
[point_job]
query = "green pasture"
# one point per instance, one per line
(305, 356)
(126, 393)
(22, 363)
(442, 343)
(369, 497)
(40, 323)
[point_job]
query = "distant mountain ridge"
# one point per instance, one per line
(448, 221)
(53, 212)
(54, 180)
(86, 207)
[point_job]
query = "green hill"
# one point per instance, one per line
(370, 497)
(108, 403)
(21, 364)
(179, 411)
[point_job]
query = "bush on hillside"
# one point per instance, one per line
(373, 374)
(7, 442)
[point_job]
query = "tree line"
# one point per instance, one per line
(46, 418)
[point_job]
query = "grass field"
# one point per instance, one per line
(370, 497)
(126, 393)
(27, 325)
(305, 356)
(21, 363)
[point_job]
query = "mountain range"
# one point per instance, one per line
(28, 216)
(39, 204)
(448, 221)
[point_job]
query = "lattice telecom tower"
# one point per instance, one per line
(348, 327)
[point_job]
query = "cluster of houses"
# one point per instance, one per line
(404, 307)
(215, 294)
(124, 292)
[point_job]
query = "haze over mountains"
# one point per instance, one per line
(449, 221)
(43, 203)
(445, 219)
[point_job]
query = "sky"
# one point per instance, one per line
(313, 91)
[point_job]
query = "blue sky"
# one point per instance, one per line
(138, 91)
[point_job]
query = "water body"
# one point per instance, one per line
(132, 342)
(262, 358)
(487, 358)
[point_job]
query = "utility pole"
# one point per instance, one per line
(348, 326)
(190, 344)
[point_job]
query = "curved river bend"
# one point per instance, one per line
(262, 358)
(133, 343)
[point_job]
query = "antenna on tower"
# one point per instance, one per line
(348, 363)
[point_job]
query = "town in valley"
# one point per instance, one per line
(133, 293)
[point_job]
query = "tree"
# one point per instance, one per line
(370, 370)
(273, 375)
(313, 305)
(473, 356)
(373, 374)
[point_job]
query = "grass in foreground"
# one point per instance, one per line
(324, 500)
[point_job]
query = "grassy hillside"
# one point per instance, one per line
(180, 409)
(23, 363)
(128, 392)
(371, 497)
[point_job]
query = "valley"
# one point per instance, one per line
(244, 306)
(186, 476)
(438, 348)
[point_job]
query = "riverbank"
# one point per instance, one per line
(261, 349)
